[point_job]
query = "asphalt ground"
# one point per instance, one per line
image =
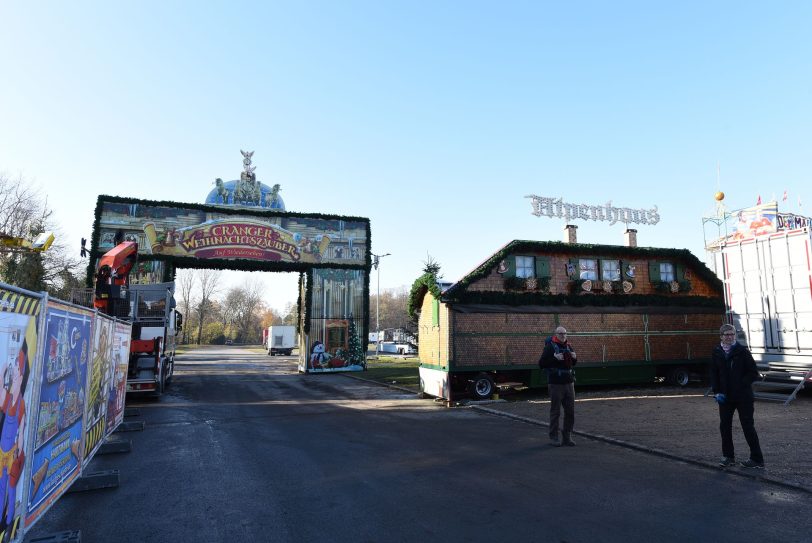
(676, 423)
(242, 448)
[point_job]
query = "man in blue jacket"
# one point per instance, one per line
(733, 371)
(557, 359)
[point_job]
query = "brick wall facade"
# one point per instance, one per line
(508, 339)
(433, 339)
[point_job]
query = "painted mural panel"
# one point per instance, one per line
(147, 273)
(118, 383)
(18, 354)
(337, 311)
(194, 233)
(756, 221)
(57, 453)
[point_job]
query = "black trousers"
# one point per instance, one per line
(562, 395)
(745, 410)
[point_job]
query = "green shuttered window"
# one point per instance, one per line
(527, 266)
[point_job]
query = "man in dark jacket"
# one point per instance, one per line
(733, 371)
(557, 359)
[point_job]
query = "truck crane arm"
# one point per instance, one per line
(113, 273)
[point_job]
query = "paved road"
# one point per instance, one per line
(244, 449)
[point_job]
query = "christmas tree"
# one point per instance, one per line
(356, 355)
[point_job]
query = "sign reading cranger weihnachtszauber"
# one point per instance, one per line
(558, 208)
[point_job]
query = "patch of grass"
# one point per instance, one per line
(403, 371)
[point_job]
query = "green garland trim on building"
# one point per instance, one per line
(620, 251)
(521, 284)
(580, 300)
(458, 292)
(425, 283)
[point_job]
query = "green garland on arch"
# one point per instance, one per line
(222, 264)
(173, 262)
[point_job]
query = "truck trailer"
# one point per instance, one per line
(768, 297)
(280, 339)
(156, 323)
(150, 308)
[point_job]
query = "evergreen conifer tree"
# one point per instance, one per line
(356, 355)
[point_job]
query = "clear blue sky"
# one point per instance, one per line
(433, 119)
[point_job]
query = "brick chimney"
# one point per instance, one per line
(631, 237)
(570, 236)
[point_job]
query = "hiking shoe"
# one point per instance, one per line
(555, 442)
(752, 464)
(726, 462)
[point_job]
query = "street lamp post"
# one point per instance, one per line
(375, 262)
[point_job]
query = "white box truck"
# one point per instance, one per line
(768, 296)
(396, 348)
(281, 339)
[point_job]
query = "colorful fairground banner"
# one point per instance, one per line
(19, 316)
(64, 370)
(764, 219)
(206, 232)
(57, 454)
(102, 368)
(755, 221)
(117, 385)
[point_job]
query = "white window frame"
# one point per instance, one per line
(525, 267)
(613, 271)
(667, 272)
(588, 269)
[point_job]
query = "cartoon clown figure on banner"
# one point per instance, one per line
(18, 341)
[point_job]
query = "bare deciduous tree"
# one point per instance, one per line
(185, 281)
(243, 309)
(209, 285)
(24, 213)
(269, 317)
(393, 309)
(291, 315)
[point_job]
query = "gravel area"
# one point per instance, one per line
(681, 423)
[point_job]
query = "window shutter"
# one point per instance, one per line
(511, 267)
(654, 272)
(435, 312)
(679, 272)
(576, 274)
(542, 266)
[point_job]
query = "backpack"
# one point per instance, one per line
(557, 371)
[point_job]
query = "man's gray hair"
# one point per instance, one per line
(727, 328)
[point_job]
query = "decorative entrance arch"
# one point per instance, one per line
(330, 252)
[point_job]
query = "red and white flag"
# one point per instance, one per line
(784, 199)
(758, 203)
